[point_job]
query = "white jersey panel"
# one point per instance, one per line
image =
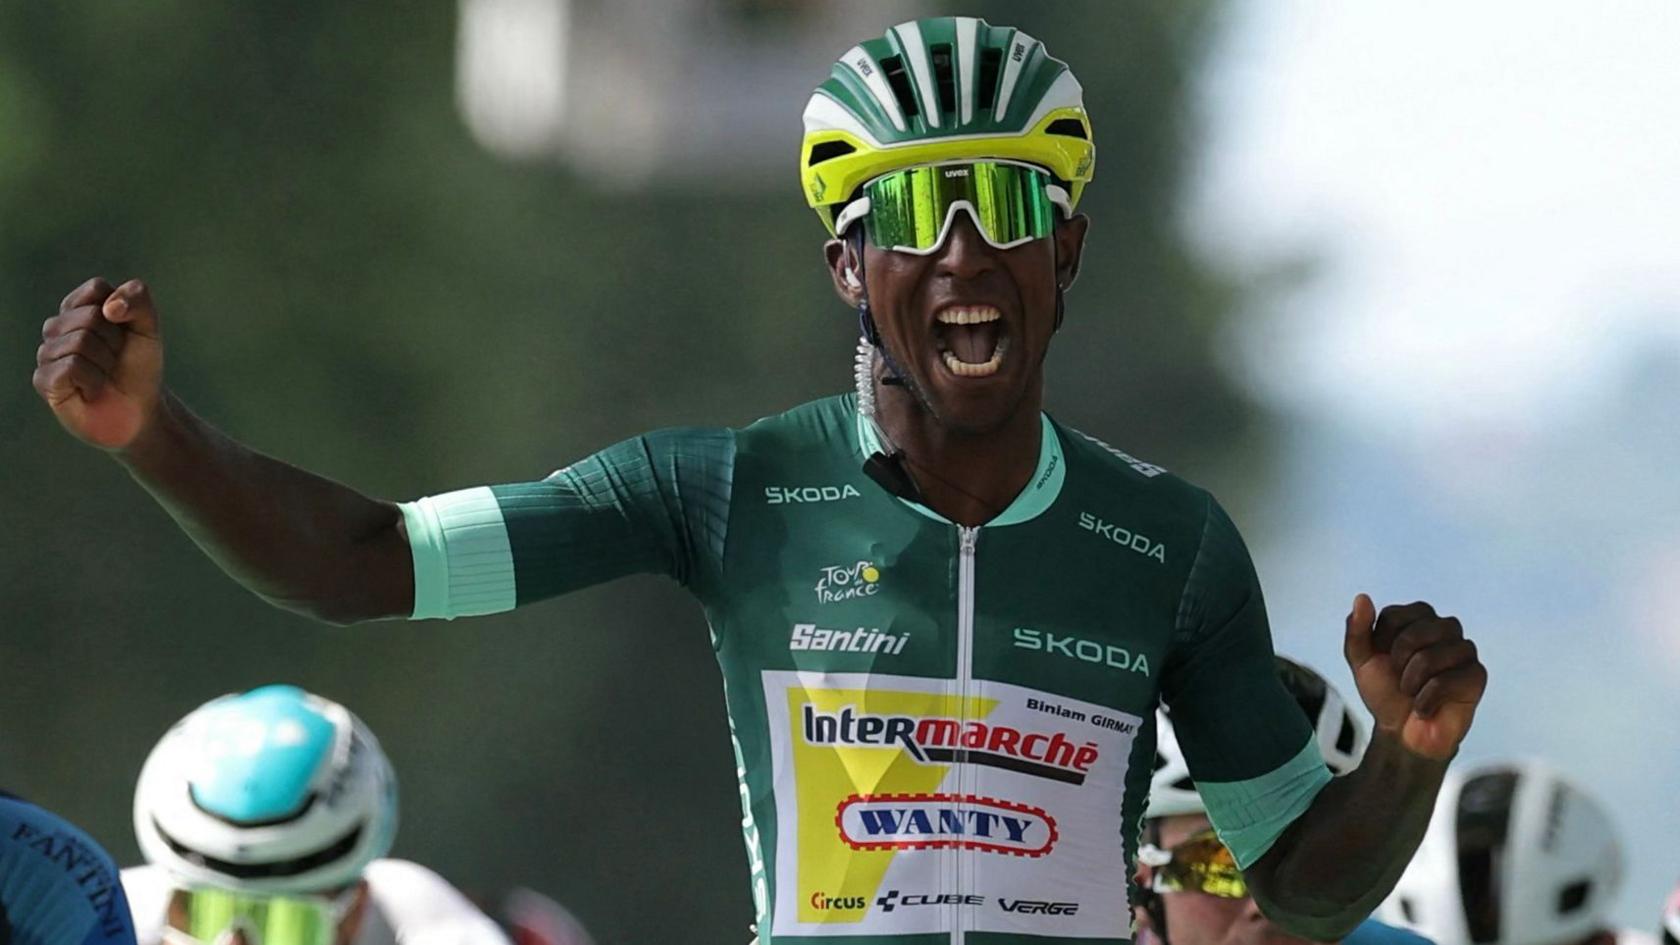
(892, 792)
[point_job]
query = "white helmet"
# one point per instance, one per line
(1341, 737)
(1515, 855)
(275, 790)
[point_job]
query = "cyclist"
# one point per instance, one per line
(943, 619)
(264, 818)
(1191, 892)
(57, 886)
(1516, 854)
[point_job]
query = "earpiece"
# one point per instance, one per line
(852, 280)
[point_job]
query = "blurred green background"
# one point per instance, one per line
(350, 282)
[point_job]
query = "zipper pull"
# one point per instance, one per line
(966, 538)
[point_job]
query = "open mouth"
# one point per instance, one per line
(971, 339)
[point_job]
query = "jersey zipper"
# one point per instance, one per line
(967, 538)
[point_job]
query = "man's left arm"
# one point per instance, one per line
(1421, 680)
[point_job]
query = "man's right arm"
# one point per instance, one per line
(657, 503)
(300, 541)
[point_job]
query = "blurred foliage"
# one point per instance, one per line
(347, 281)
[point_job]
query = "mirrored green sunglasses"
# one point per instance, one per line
(911, 210)
(210, 916)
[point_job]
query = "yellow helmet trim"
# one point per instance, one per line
(830, 182)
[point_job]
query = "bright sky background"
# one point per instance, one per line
(1481, 375)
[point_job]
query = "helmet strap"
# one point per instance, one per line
(1061, 289)
(893, 375)
(1152, 901)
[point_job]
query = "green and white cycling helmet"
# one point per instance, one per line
(942, 91)
(272, 791)
(1341, 735)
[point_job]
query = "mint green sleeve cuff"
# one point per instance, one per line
(463, 563)
(1250, 815)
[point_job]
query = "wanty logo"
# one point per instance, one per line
(846, 582)
(947, 741)
(943, 821)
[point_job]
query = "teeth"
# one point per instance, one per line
(983, 369)
(968, 315)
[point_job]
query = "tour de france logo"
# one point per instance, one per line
(840, 582)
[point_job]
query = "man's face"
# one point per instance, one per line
(969, 323)
(1197, 918)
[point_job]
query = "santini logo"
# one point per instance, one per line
(809, 636)
(941, 821)
(780, 495)
(1141, 544)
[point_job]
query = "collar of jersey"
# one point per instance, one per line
(1041, 490)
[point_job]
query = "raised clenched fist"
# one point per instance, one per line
(100, 364)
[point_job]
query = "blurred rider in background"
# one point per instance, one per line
(1191, 890)
(1516, 854)
(57, 886)
(265, 818)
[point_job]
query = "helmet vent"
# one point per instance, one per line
(1479, 890)
(1408, 911)
(1345, 737)
(828, 150)
(1573, 896)
(991, 60)
(1071, 127)
(944, 78)
(893, 68)
(1483, 828)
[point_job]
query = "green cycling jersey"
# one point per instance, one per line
(943, 734)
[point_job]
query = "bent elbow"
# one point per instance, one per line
(1305, 916)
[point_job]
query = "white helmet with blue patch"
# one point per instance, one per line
(273, 790)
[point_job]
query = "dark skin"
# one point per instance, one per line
(323, 549)
(971, 443)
